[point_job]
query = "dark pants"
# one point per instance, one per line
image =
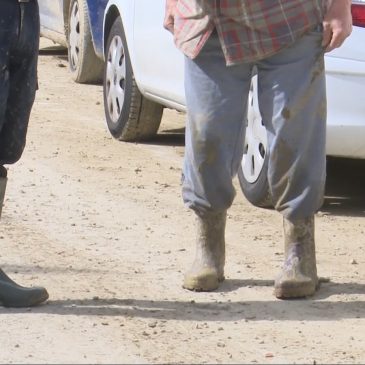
(19, 43)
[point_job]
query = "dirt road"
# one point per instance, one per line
(101, 224)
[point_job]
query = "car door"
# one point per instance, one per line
(158, 64)
(51, 14)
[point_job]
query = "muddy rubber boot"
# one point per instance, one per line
(298, 277)
(207, 270)
(12, 294)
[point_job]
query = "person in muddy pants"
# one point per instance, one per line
(19, 42)
(284, 41)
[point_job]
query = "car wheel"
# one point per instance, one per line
(130, 117)
(253, 170)
(85, 66)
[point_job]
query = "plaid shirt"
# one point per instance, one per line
(249, 30)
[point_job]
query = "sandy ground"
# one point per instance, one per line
(101, 224)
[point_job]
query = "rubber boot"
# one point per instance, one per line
(12, 294)
(298, 277)
(3, 181)
(207, 270)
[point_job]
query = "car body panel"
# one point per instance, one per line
(96, 16)
(154, 40)
(52, 22)
(50, 11)
(345, 75)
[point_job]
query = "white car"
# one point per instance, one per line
(144, 73)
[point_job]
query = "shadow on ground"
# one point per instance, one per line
(54, 51)
(169, 137)
(317, 308)
(345, 187)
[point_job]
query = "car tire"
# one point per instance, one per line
(130, 116)
(253, 171)
(84, 65)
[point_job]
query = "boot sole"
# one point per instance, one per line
(295, 291)
(202, 284)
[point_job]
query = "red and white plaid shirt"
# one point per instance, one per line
(249, 30)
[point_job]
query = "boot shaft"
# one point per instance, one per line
(211, 227)
(207, 270)
(298, 233)
(300, 246)
(298, 277)
(3, 181)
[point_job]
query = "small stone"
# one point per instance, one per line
(152, 324)
(353, 262)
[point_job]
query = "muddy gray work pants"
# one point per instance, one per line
(292, 100)
(19, 42)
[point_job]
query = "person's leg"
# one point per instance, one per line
(12, 294)
(18, 60)
(216, 99)
(292, 101)
(18, 76)
(9, 25)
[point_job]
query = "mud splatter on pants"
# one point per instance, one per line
(292, 101)
(19, 43)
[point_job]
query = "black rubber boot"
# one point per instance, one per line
(298, 277)
(207, 270)
(3, 181)
(12, 294)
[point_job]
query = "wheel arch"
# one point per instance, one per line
(120, 9)
(110, 17)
